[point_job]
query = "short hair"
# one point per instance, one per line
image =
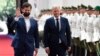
(26, 4)
(56, 7)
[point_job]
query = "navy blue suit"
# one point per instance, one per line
(25, 42)
(52, 35)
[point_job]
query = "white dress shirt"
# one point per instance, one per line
(27, 22)
(59, 22)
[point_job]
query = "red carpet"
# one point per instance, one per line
(5, 46)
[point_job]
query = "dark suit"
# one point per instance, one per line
(52, 35)
(25, 42)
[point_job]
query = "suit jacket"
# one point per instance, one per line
(52, 35)
(24, 38)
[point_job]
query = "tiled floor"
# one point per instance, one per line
(42, 52)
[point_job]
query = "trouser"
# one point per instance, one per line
(23, 51)
(83, 48)
(91, 49)
(75, 47)
(59, 50)
(97, 48)
(72, 46)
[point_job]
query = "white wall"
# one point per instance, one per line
(33, 8)
(72, 2)
(55, 3)
(78, 2)
(41, 4)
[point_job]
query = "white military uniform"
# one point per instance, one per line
(78, 25)
(96, 27)
(69, 17)
(64, 15)
(89, 29)
(83, 26)
(42, 20)
(73, 25)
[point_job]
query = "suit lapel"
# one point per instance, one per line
(61, 22)
(24, 24)
(53, 22)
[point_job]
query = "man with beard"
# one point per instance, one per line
(26, 39)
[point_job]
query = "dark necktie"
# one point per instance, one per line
(57, 24)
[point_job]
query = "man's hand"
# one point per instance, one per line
(18, 13)
(36, 51)
(47, 49)
(69, 49)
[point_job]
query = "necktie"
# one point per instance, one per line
(57, 24)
